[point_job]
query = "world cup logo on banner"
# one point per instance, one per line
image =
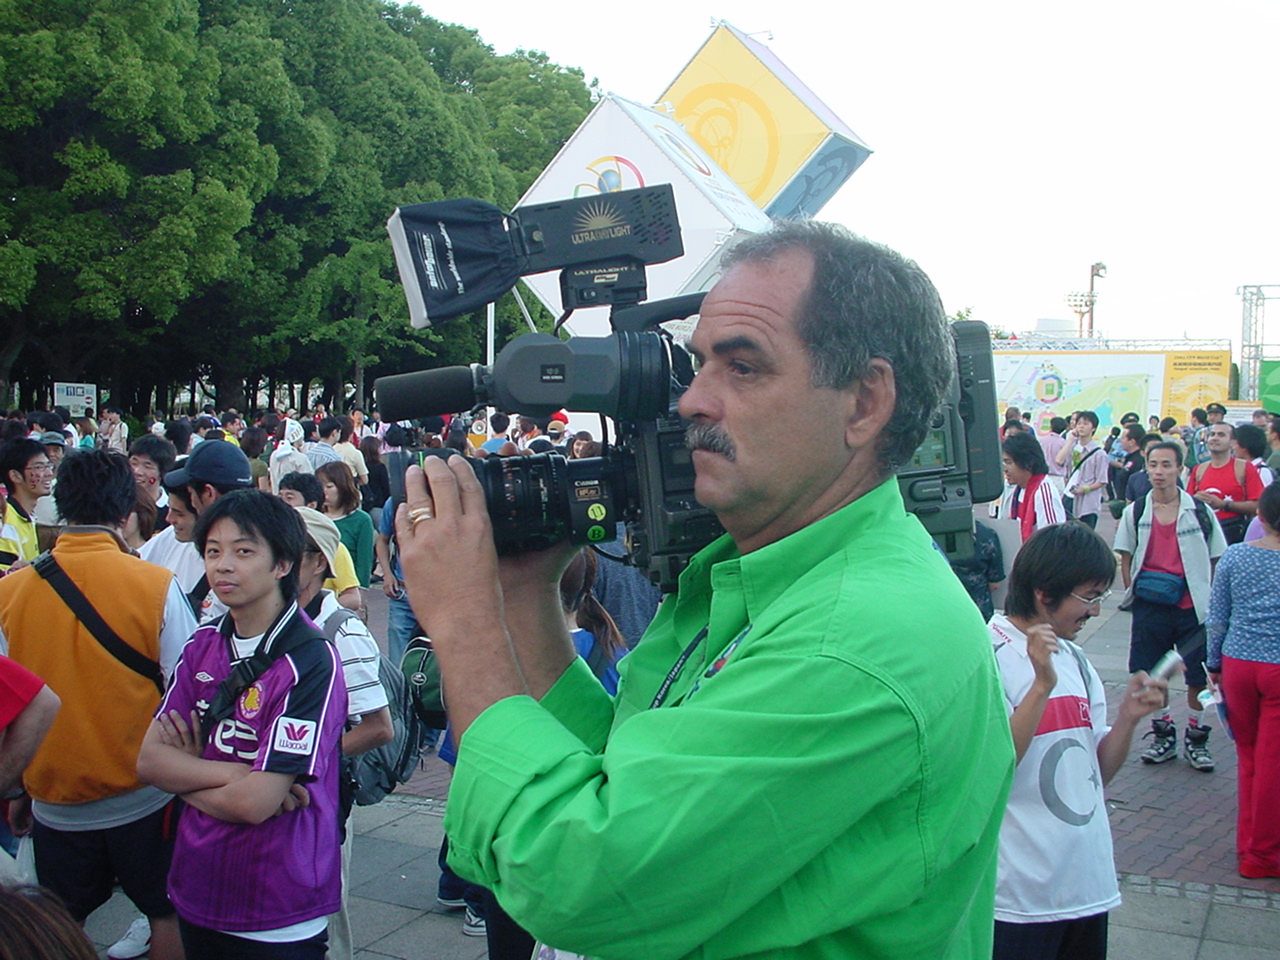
(609, 175)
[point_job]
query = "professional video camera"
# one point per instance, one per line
(636, 377)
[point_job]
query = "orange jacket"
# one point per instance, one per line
(91, 751)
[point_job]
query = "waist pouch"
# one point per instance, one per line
(1163, 588)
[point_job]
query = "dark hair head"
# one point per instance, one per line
(268, 518)
(396, 436)
(1055, 561)
(1200, 414)
(865, 302)
(1087, 415)
(1012, 413)
(329, 425)
(215, 433)
(1167, 424)
(309, 429)
(1025, 450)
(49, 422)
(14, 430)
(179, 434)
(1166, 445)
(1058, 424)
(339, 474)
(1014, 426)
(347, 427)
(371, 448)
(500, 423)
(306, 484)
(1253, 439)
(95, 486)
(16, 454)
(34, 925)
(253, 440)
(204, 423)
(156, 449)
(1151, 438)
(1274, 427)
(1135, 432)
(1269, 505)
(576, 597)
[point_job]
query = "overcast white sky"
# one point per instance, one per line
(1015, 143)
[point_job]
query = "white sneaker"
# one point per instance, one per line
(135, 943)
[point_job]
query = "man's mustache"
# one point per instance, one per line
(710, 437)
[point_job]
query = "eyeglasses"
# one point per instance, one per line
(39, 468)
(1096, 600)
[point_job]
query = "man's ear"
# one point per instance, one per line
(1043, 606)
(869, 403)
(282, 568)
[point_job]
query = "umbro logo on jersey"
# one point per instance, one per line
(294, 736)
(204, 677)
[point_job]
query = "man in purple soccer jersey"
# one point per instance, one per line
(256, 864)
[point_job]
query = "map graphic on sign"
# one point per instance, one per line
(1111, 383)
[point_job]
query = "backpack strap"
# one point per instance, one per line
(84, 611)
(195, 597)
(245, 673)
(1199, 472)
(1240, 474)
(1206, 522)
(335, 622)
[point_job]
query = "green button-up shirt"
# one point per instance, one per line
(825, 778)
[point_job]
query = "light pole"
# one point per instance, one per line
(1081, 304)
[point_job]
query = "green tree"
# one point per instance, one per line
(199, 189)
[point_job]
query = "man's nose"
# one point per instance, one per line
(698, 402)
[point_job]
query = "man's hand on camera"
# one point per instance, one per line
(447, 552)
(445, 539)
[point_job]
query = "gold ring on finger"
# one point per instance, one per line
(420, 513)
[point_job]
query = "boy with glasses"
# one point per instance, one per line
(1057, 879)
(28, 476)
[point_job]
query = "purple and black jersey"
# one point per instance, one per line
(241, 877)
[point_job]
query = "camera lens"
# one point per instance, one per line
(539, 500)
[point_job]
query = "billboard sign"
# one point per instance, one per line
(1110, 382)
(76, 397)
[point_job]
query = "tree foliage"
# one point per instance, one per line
(200, 189)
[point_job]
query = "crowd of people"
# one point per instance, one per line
(789, 755)
(258, 553)
(1197, 508)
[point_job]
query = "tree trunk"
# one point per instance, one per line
(9, 352)
(359, 400)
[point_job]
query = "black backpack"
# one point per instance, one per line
(377, 772)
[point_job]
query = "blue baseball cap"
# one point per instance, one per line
(218, 462)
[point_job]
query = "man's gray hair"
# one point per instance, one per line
(867, 301)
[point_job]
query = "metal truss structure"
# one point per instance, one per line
(1254, 298)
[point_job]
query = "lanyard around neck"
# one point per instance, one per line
(660, 697)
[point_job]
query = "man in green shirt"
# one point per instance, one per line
(808, 755)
